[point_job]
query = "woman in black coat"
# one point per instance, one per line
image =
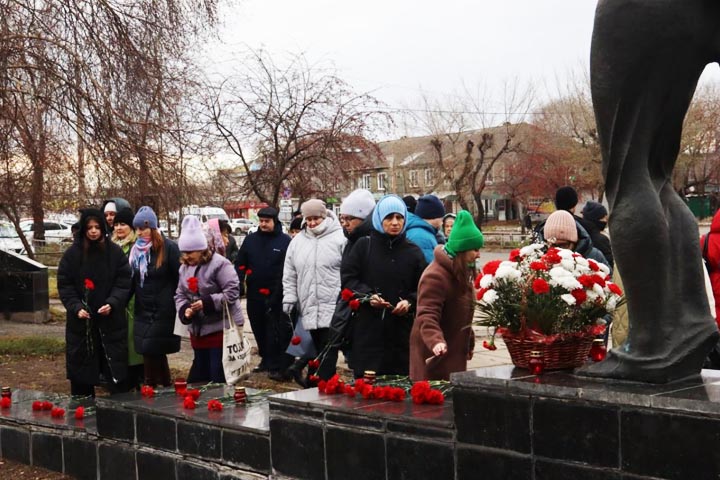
(93, 281)
(384, 268)
(155, 262)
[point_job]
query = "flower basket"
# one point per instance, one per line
(559, 351)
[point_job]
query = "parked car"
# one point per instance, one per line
(10, 241)
(55, 232)
(241, 226)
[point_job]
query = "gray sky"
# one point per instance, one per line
(398, 49)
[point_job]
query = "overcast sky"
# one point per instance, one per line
(398, 49)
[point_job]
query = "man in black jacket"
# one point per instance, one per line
(259, 265)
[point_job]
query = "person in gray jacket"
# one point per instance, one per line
(207, 280)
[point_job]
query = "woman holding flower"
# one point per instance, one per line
(442, 340)
(155, 261)
(383, 269)
(207, 280)
(93, 281)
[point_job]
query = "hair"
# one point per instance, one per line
(204, 258)
(158, 246)
(86, 243)
(462, 273)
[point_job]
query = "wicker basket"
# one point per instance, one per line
(562, 353)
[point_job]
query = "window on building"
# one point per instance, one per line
(429, 177)
(413, 180)
(382, 180)
(365, 181)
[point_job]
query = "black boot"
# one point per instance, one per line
(296, 371)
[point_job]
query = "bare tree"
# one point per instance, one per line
(297, 127)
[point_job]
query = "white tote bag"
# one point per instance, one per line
(236, 349)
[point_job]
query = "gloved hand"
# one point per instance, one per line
(288, 307)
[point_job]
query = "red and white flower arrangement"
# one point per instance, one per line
(545, 292)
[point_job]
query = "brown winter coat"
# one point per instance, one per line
(444, 314)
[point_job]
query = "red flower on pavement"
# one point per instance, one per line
(347, 294)
(89, 285)
(489, 345)
(264, 291)
(80, 413)
(295, 340)
(6, 402)
(540, 286)
(57, 412)
(189, 403)
(354, 304)
(147, 391)
(192, 284)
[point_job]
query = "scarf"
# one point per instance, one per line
(140, 257)
(121, 242)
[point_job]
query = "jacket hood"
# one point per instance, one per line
(715, 225)
(333, 225)
(87, 214)
(413, 221)
(362, 230)
(120, 203)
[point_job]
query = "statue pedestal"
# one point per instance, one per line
(514, 425)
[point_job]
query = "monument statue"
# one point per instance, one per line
(646, 59)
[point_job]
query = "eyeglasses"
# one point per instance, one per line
(348, 218)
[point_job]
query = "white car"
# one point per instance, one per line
(241, 226)
(55, 232)
(10, 240)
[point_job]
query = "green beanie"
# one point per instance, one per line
(464, 235)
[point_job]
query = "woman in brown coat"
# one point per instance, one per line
(442, 340)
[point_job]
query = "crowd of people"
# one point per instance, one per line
(388, 283)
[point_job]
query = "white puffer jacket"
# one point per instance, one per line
(311, 276)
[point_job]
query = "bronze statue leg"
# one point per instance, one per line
(646, 59)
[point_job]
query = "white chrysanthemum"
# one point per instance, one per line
(599, 290)
(603, 268)
(508, 272)
(567, 298)
(568, 264)
(591, 295)
(582, 262)
(565, 253)
(611, 304)
(486, 281)
(490, 296)
(530, 249)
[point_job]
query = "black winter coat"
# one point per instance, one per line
(109, 271)
(264, 254)
(599, 240)
(391, 267)
(155, 304)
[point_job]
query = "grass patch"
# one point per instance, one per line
(52, 285)
(31, 346)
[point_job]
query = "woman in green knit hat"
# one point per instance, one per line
(442, 340)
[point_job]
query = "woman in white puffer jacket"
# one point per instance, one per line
(311, 275)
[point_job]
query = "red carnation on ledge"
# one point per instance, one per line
(57, 412)
(80, 413)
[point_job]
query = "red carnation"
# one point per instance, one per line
(489, 345)
(599, 279)
(264, 291)
(192, 284)
(6, 402)
(515, 255)
(80, 413)
(37, 405)
(538, 266)
(47, 405)
(189, 403)
(580, 295)
(435, 397)
(89, 285)
(241, 267)
(295, 340)
(57, 412)
(594, 266)
(215, 406)
(540, 286)
(248, 271)
(476, 283)
(194, 393)
(354, 304)
(314, 363)
(314, 379)
(147, 391)
(491, 267)
(481, 293)
(614, 288)
(586, 280)
(347, 294)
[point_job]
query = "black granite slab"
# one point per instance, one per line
(21, 411)
(47, 451)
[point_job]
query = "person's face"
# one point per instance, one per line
(122, 230)
(192, 258)
(350, 223)
(448, 226)
(145, 232)
(92, 230)
(393, 224)
(110, 218)
(471, 255)
(266, 224)
(565, 244)
(435, 222)
(313, 222)
(293, 232)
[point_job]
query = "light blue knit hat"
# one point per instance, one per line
(385, 206)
